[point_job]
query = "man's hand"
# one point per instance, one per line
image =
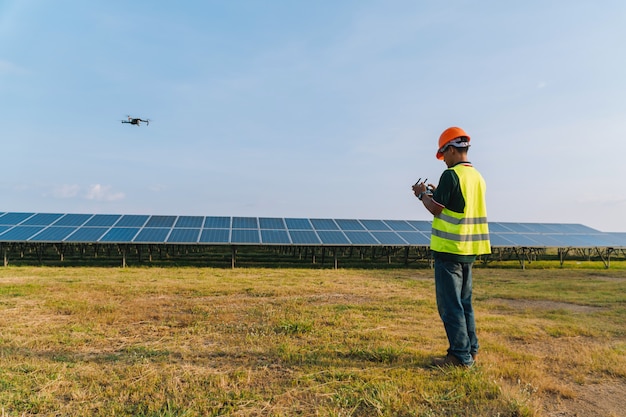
(418, 188)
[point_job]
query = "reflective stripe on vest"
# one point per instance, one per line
(464, 233)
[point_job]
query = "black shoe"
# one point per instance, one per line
(449, 360)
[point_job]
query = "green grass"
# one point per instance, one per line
(284, 342)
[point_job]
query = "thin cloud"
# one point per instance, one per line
(100, 192)
(66, 191)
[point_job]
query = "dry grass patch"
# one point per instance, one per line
(283, 342)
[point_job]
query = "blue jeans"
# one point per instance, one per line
(453, 286)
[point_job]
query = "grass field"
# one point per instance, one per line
(305, 342)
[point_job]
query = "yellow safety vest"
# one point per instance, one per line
(464, 233)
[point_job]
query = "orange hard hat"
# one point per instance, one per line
(449, 135)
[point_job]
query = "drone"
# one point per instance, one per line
(136, 121)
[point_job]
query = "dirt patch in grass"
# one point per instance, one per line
(602, 399)
(590, 391)
(619, 278)
(545, 305)
(579, 376)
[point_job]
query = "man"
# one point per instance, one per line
(459, 234)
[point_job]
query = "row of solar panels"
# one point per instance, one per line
(157, 229)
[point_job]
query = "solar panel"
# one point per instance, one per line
(72, 220)
(103, 220)
(132, 220)
(245, 223)
(116, 228)
(331, 237)
(214, 236)
(499, 227)
(500, 240)
(324, 224)
(375, 225)
(389, 238)
(549, 240)
(41, 219)
(298, 224)
(517, 227)
(20, 233)
(271, 223)
(12, 219)
(415, 238)
(152, 235)
(87, 234)
(400, 225)
(591, 240)
(534, 227)
(361, 238)
(120, 234)
(161, 221)
(304, 237)
(189, 221)
(181, 235)
(421, 225)
(217, 223)
(617, 239)
(522, 239)
(275, 237)
(53, 234)
(577, 228)
(245, 236)
(349, 224)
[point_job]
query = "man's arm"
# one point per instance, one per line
(431, 205)
(427, 198)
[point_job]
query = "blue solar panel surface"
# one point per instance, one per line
(361, 238)
(304, 237)
(275, 237)
(118, 235)
(215, 236)
(189, 221)
(298, 224)
(87, 234)
(271, 223)
(132, 220)
(103, 220)
(217, 222)
(224, 230)
(183, 235)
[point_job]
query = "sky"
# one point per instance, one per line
(315, 109)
